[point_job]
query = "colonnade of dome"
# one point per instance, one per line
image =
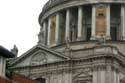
(84, 22)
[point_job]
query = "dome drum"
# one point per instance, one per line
(85, 23)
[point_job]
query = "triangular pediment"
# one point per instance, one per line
(38, 55)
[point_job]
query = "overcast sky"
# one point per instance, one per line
(19, 23)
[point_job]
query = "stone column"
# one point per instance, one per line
(80, 18)
(114, 76)
(103, 76)
(93, 24)
(108, 22)
(123, 21)
(67, 24)
(57, 28)
(49, 27)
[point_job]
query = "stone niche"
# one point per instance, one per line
(52, 29)
(100, 20)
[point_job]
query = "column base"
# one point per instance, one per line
(57, 42)
(123, 38)
(80, 39)
(108, 38)
(93, 38)
(67, 40)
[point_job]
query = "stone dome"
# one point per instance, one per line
(84, 21)
(53, 3)
(80, 41)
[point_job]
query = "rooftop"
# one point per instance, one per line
(6, 53)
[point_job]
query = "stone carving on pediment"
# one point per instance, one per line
(38, 59)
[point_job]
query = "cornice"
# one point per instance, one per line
(53, 6)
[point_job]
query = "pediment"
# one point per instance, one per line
(38, 55)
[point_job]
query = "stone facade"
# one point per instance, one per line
(80, 41)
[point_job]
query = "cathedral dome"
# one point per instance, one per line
(80, 41)
(82, 21)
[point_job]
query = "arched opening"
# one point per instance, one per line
(41, 80)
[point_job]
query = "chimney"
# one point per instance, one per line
(4, 53)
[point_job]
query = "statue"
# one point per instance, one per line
(68, 50)
(101, 40)
(15, 50)
(41, 36)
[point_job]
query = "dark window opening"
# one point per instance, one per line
(73, 33)
(113, 33)
(41, 80)
(88, 33)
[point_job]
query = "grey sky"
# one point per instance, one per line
(19, 23)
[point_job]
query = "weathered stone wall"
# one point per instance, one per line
(92, 70)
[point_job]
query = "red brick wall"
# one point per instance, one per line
(2, 80)
(17, 78)
(21, 78)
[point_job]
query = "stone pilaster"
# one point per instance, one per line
(123, 21)
(93, 24)
(47, 80)
(80, 18)
(108, 22)
(103, 76)
(118, 76)
(49, 27)
(108, 74)
(67, 24)
(57, 28)
(95, 75)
